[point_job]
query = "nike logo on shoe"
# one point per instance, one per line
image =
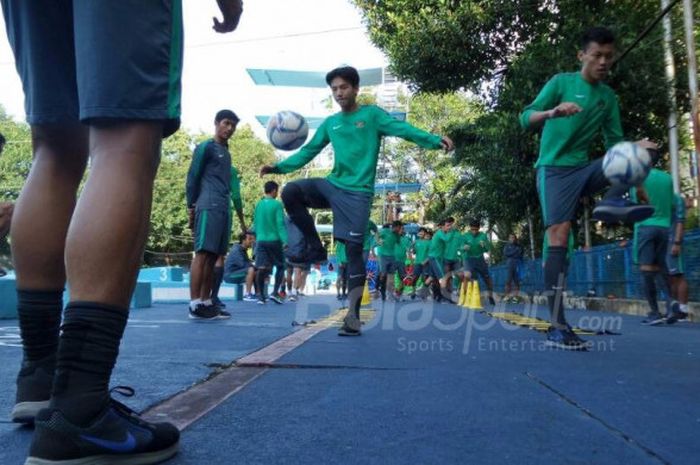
(127, 445)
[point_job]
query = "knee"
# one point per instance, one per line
(291, 193)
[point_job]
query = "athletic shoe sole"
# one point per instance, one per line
(558, 345)
(610, 214)
(348, 332)
(276, 300)
(136, 459)
(654, 321)
(25, 412)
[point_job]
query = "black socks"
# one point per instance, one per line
(39, 321)
(554, 281)
(87, 352)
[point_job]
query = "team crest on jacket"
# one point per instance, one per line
(360, 124)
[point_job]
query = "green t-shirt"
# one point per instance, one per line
(388, 245)
(421, 248)
(454, 244)
(369, 235)
(475, 246)
(268, 221)
(340, 254)
(401, 248)
(659, 187)
(437, 245)
(566, 141)
(356, 139)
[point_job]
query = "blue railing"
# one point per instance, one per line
(606, 270)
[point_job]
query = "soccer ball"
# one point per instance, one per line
(287, 130)
(626, 163)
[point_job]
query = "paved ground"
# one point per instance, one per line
(424, 384)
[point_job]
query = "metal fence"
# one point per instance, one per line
(606, 270)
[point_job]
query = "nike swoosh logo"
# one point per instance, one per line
(127, 445)
(337, 127)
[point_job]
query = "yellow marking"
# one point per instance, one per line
(530, 322)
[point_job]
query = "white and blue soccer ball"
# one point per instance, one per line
(287, 130)
(626, 163)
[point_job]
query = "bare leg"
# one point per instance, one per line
(107, 234)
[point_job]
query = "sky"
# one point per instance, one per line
(309, 35)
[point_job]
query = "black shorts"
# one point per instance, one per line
(269, 254)
(561, 188)
(350, 208)
(98, 61)
(212, 231)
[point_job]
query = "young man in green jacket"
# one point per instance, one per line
(355, 134)
(575, 108)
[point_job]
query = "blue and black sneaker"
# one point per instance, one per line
(565, 339)
(116, 437)
(620, 210)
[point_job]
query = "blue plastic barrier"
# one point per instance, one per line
(161, 273)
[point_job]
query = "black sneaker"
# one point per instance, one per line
(33, 389)
(619, 210)
(223, 314)
(564, 339)
(653, 319)
(276, 299)
(207, 312)
(117, 436)
(351, 325)
(216, 301)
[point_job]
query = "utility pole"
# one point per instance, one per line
(671, 89)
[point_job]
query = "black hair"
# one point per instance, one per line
(599, 35)
(2, 139)
(397, 224)
(423, 229)
(347, 73)
(449, 219)
(474, 223)
(226, 114)
(242, 236)
(271, 186)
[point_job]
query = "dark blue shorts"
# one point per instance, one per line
(477, 266)
(650, 245)
(452, 265)
(98, 61)
(387, 264)
(269, 254)
(561, 188)
(435, 268)
(350, 208)
(212, 231)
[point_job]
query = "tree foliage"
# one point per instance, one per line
(504, 52)
(169, 236)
